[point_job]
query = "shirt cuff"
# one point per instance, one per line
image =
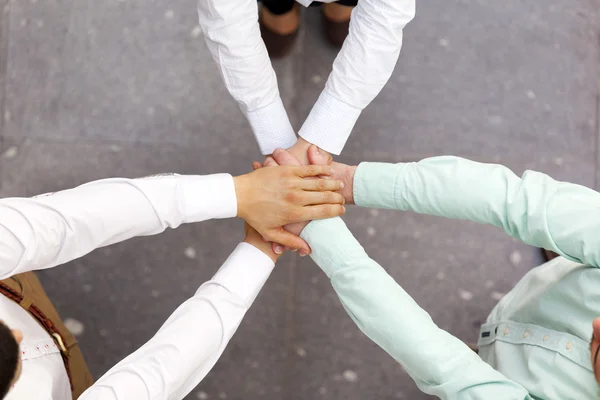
(333, 246)
(374, 185)
(206, 197)
(245, 272)
(271, 127)
(329, 123)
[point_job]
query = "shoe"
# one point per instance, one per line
(548, 255)
(279, 32)
(336, 23)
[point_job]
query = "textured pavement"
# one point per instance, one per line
(127, 88)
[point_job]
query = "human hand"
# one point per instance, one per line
(300, 151)
(342, 172)
(316, 156)
(283, 157)
(255, 239)
(270, 198)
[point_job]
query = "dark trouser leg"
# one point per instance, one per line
(278, 7)
(337, 21)
(279, 24)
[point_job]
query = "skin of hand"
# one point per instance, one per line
(255, 239)
(270, 198)
(342, 172)
(295, 228)
(300, 151)
(283, 157)
(316, 156)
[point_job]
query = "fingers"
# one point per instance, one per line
(313, 170)
(256, 165)
(321, 185)
(270, 162)
(323, 211)
(317, 157)
(283, 157)
(291, 241)
(316, 198)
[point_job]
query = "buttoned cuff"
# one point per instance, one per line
(207, 197)
(374, 185)
(271, 127)
(329, 123)
(245, 272)
(333, 246)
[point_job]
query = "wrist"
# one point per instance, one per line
(348, 180)
(300, 151)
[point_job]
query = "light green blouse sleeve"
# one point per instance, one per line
(536, 209)
(440, 364)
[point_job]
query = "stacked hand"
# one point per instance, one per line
(271, 198)
(315, 156)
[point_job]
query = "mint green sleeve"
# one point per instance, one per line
(536, 209)
(439, 363)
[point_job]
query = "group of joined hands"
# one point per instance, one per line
(291, 188)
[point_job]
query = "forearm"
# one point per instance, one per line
(233, 37)
(191, 341)
(361, 69)
(439, 363)
(50, 230)
(535, 208)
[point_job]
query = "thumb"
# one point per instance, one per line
(291, 241)
(283, 157)
(315, 157)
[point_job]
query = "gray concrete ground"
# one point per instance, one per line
(94, 89)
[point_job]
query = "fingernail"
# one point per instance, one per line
(278, 250)
(343, 209)
(302, 253)
(342, 185)
(317, 151)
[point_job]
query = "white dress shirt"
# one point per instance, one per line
(50, 230)
(44, 376)
(361, 69)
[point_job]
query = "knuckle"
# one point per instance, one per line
(322, 184)
(291, 196)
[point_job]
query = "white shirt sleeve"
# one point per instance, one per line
(189, 344)
(361, 69)
(49, 230)
(232, 33)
